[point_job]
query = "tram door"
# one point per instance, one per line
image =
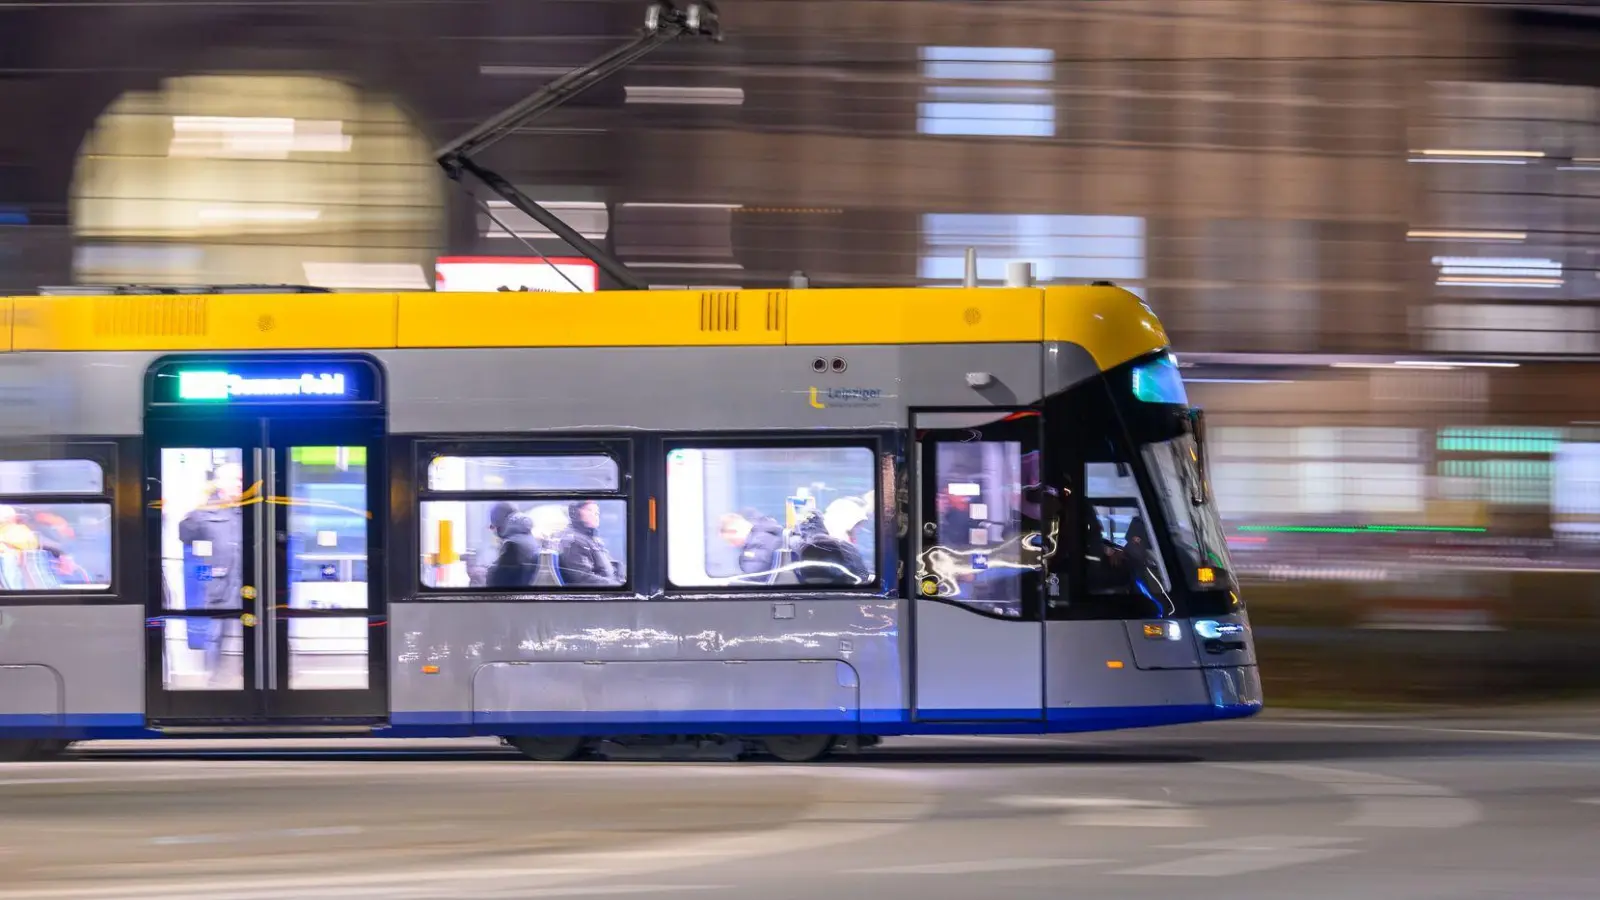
(262, 480)
(977, 623)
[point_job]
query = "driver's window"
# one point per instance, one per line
(1119, 547)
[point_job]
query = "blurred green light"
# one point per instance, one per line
(1361, 529)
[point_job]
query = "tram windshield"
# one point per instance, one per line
(1192, 517)
(1171, 441)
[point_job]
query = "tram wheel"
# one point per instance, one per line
(16, 750)
(800, 748)
(548, 749)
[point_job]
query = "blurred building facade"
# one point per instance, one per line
(1276, 176)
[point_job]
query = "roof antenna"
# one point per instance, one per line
(664, 23)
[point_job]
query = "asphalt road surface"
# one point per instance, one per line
(1377, 809)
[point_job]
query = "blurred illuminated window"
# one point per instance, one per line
(1481, 463)
(1509, 172)
(1575, 507)
(1272, 471)
(1061, 248)
(523, 473)
(256, 179)
(771, 516)
(1499, 440)
(988, 91)
(517, 523)
(55, 526)
(1512, 328)
(1501, 482)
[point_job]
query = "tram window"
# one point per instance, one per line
(749, 517)
(985, 533)
(51, 476)
(47, 545)
(525, 544)
(1122, 554)
(203, 496)
(327, 534)
(523, 473)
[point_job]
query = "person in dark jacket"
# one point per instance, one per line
(826, 559)
(758, 538)
(519, 551)
(213, 540)
(584, 559)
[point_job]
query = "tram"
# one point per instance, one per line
(789, 521)
(800, 519)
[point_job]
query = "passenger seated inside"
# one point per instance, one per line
(519, 551)
(582, 555)
(828, 559)
(758, 539)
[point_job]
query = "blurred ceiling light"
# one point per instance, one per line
(367, 276)
(239, 137)
(1464, 281)
(233, 215)
(1491, 154)
(1453, 363)
(1497, 271)
(1477, 162)
(683, 205)
(1478, 157)
(1442, 367)
(1420, 234)
(684, 96)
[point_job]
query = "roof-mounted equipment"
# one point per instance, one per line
(665, 21)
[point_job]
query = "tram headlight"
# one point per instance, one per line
(1211, 630)
(1163, 631)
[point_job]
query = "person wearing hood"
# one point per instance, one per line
(758, 539)
(584, 559)
(519, 552)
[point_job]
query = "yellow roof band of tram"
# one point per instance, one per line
(1112, 324)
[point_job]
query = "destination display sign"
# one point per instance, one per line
(221, 385)
(291, 382)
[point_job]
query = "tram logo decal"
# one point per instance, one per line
(825, 398)
(226, 385)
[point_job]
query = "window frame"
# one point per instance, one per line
(104, 455)
(622, 454)
(873, 444)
